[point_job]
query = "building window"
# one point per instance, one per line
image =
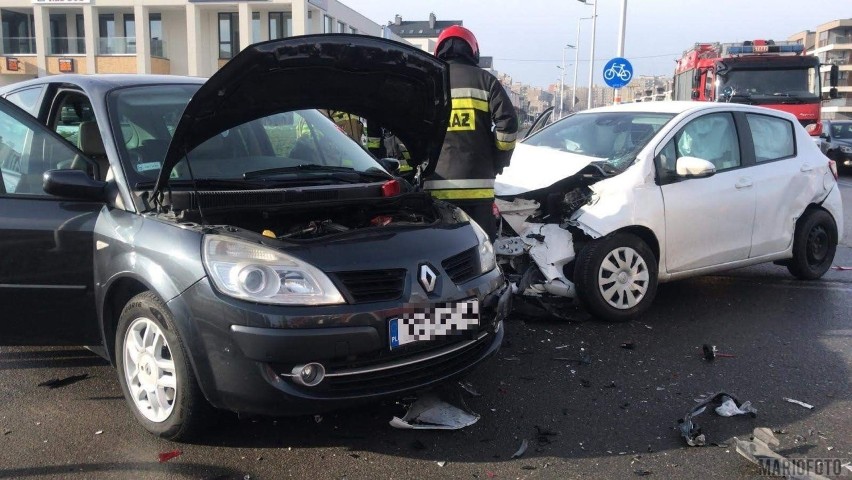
(106, 34)
(255, 27)
(130, 32)
(229, 34)
(353, 30)
(280, 25)
(155, 27)
(18, 28)
(80, 39)
(341, 27)
(58, 34)
(327, 24)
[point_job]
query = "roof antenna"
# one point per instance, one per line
(194, 188)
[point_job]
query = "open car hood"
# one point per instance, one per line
(534, 168)
(404, 89)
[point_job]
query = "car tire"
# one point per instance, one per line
(153, 370)
(629, 263)
(814, 245)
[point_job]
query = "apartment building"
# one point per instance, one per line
(181, 37)
(832, 43)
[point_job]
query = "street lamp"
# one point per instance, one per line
(562, 78)
(576, 63)
(592, 58)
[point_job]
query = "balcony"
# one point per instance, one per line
(117, 46)
(66, 46)
(19, 46)
(835, 39)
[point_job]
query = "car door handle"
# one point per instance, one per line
(743, 183)
(806, 167)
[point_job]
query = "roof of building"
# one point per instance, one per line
(421, 28)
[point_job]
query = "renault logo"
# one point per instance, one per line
(427, 277)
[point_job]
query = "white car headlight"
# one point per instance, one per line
(846, 149)
(487, 260)
(253, 272)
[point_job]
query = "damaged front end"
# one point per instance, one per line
(540, 237)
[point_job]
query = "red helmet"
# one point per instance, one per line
(458, 31)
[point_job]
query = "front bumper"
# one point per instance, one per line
(244, 354)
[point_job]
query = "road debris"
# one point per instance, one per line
(442, 463)
(318, 418)
(711, 353)
(99, 432)
(627, 345)
(62, 382)
(798, 402)
(692, 433)
(842, 269)
(468, 387)
(431, 413)
(166, 456)
(522, 449)
(729, 408)
(642, 473)
(760, 451)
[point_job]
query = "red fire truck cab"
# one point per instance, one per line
(761, 72)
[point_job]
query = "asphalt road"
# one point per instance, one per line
(612, 418)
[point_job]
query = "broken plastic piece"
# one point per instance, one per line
(710, 353)
(522, 449)
(431, 413)
(728, 408)
(62, 382)
(760, 452)
(468, 387)
(842, 269)
(798, 402)
(441, 464)
(692, 433)
(166, 456)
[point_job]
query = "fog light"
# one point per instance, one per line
(309, 375)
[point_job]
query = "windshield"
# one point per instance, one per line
(300, 144)
(772, 85)
(616, 137)
(841, 130)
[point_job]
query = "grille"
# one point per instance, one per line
(462, 267)
(372, 285)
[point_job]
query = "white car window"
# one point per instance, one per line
(713, 138)
(773, 137)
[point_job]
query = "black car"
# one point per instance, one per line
(837, 141)
(223, 243)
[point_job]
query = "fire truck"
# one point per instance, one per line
(760, 72)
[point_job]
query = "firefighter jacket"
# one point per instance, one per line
(480, 137)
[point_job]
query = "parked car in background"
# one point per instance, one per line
(603, 205)
(837, 141)
(224, 244)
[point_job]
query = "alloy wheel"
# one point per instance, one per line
(149, 370)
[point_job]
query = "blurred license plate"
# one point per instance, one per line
(427, 322)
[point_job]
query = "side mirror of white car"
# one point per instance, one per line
(692, 167)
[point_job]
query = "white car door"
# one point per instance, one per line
(708, 220)
(786, 178)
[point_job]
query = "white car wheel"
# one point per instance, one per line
(149, 370)
(623, 278)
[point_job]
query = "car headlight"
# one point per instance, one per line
(846, 149)
(253, 272)
(487, 261)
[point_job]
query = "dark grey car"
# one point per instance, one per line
(224, 244)
(837, 141)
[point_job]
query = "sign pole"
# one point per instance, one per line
(621, 29)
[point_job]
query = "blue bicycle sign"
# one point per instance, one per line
(617, 72)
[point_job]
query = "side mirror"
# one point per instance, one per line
(691, 167)
(824, 136)
(832, 93)
(390, 164)
(833, 76)
(75, 184)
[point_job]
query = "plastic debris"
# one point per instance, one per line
(842, 269)
(468, 387)
(166, 456)
(99, 432)
(692, 433)
(710, 353)
(522, 449)
(441, 464)
(318, 418)
(760, 451)
(729, 408)
(642, 473)
(431, 413)
(798, 402)
(627, 345)
(62, 382)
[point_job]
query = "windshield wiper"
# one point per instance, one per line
(789, 98)
(204, 182)
(314, 168)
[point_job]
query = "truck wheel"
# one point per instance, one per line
(814, 244)
(616, 277)
(155, 375)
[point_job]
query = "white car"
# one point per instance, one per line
(603, 205)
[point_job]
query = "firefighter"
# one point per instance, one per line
(481, 133)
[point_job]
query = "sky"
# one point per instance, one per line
(526, 37)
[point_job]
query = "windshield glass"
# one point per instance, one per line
(841, 130)
(301, 144)
(799, 83)
(616, 137)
